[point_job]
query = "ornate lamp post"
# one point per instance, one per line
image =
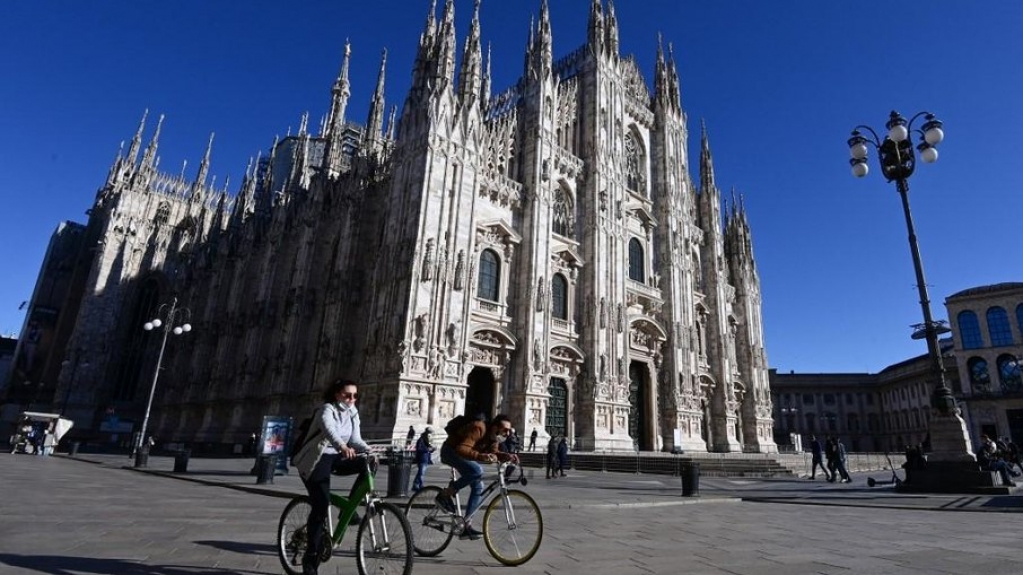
(171, 314)
(897, 158)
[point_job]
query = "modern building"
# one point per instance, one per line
(547, 252)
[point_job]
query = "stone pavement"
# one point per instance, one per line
(62, 516)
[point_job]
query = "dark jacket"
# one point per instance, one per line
(563, 453)
(424, 450)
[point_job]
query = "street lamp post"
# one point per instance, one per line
(896, 156)
(173, 314)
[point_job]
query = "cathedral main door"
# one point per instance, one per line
(479, 398)
(639, 389)
(557, 409)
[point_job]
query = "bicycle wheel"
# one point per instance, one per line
(513, 527)
(432, 527)
(385, 541)
(291, 535)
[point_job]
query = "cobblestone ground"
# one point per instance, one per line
(61, 516)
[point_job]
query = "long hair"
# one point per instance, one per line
(330, 394)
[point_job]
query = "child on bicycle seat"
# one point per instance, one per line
(333, 441)
(469, 445)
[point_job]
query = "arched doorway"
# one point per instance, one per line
(557, 409)
(639, 390)
(479, 398)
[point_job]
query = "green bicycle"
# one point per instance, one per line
(512, 523)
(384, 543)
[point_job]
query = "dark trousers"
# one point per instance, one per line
(817, 461)
(318, 487)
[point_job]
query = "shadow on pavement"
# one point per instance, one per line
(63, 565)
(1004, 501)
(240, 547)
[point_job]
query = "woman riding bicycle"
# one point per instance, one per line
(333, 441)
(471, 443)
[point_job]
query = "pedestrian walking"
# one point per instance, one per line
(410, 437)
(532, 440)
(818, 458)
(563, 455)
(552, 457)
(840, 461)
(831, 454)
(424, 457)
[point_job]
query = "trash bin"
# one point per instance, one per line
(399, 467)
(141, 457)
(181, 460)
(74, 448)
(267, 466)
(690, 471)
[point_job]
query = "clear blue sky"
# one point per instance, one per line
(779, 85)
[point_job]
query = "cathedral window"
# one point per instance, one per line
(559, 297)
(637, 271)
(969, 330)
(1009, 373)
(162, 213)
(562, 214)
(998, 327)
(634, 164)
(490, 276)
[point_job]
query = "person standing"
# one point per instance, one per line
(563, 455)
(331, 446)
(532, 440)
(410, 437)
(818, 458)
(552, 457)
(424, 458)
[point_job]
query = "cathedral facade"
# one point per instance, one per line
(544, 252)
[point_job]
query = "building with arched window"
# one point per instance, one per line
(988, 331)
(546, 251)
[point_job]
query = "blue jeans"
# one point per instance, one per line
(469, 473)
(417, 483)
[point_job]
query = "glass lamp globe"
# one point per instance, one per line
(156, 322)
(929, 155)
(934, 136)
(177, 331)
(858, 151)
(187, 327)
(148, 326)
(898, 133)
(860, 169)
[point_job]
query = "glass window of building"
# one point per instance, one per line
(998, 327)
(490, 276)
(1009, 373)
(980, 378)
(636, 268)
(969, 330)
(559, 297)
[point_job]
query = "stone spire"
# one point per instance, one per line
(666, 81)
(332, 157)
(540, 55)
(375, 120)
(595, 29)
(204, 169)
(445, 59)
(485, 88)
(340, 93)
(136, 142)
(706, 162)
(149, 156)
(611, 28)
(471, 75)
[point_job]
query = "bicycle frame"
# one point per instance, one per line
(499, 484)
(361, 493)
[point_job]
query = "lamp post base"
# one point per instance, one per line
(951, 466)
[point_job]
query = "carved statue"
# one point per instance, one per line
(460, 270)
(621, 318)
(537, 355)
(603, 313)
(427, 274)
(540, 294)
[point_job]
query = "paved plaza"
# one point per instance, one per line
(91, 516)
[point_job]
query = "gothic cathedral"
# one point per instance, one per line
(543, 252)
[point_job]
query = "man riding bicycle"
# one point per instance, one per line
(465, 448)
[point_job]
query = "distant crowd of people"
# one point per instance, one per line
(1001, 456)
